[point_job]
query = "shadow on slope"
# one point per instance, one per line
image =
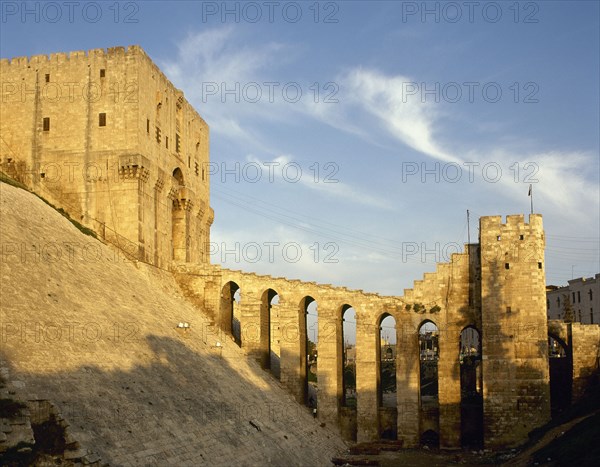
(95, 334)
(182, 408)
(578, 446)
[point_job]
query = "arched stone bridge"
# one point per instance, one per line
(490, 389)
(274, 332)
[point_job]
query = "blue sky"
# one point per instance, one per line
(341, 109)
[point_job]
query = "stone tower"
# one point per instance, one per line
(108, 138)
(514, 328)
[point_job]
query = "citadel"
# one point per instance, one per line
(105, 136)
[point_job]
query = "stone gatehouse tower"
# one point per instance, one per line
(108, 138)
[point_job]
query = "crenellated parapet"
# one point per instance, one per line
(80, 56)
(512, 241)
(438, 291)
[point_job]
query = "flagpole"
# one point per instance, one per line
(531, 195)
(468, 228)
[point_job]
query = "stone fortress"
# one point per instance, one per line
(105, 136)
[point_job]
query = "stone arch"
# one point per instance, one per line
(471, 393)
(429, 408)
(348, 363)
(387, 397)
(560, 361)
(347, 372)
(179, 219)
(386, 340)
(178, 175)
(230, 311)
(269, 345)
(308, 358)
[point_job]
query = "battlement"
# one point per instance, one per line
(76, 55)
(13, 66)
(514, 235)
(513, 221)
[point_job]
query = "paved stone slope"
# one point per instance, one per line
(97, 336)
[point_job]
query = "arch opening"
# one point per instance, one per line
(387, 397)
(471, 396)
(230, 311)
(179, 221)
(236, 318)
(560, 363)
(309, 350)
(347, 373)
(386, 360)
(430, 438)
(429, 408)
(348, 356)
(269, 332)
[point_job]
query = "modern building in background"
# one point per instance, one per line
(583, 295)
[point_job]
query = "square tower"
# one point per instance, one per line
(514, 328)
(106, 136)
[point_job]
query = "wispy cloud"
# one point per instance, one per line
(407, 119)
(333, 188)
(415, 124)
(344, 191)
(372, 106)
(559, 180)
(219, 55)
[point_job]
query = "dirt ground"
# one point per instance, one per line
(519, 457)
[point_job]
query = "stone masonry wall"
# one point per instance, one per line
(447, 288)
(582, 343)
(515, 330)
(496, 287)
(104, 135)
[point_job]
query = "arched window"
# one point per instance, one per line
(178, 176)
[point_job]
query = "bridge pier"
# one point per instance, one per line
(330, 366)
(367, 416)
(407, 386)
(252, 330)
(449, 388)
(293, 350)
